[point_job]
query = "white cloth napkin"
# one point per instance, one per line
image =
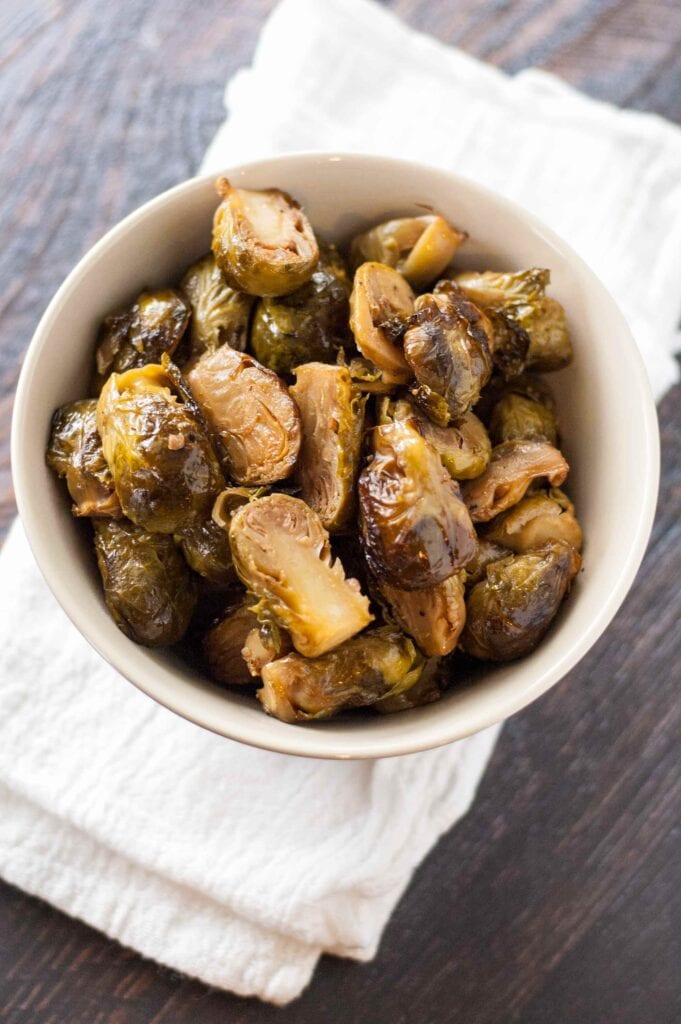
(231, 864)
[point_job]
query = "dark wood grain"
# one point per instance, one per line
(558, 898)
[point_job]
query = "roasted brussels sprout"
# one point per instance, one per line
(464, 447)
(262, 240)
(434, 617)
(152, 327)
(447, 346)
(332, 416)
(536, 520)
(380, 663)
(508, 613)
(220, 315)
(487, 552)
(75, 452)
(281, 553)
(251, 410)
(380, 306)
(310, 324)
(206, 547)
(513, 467)
(516, 417)
(521, 298)
(418, 247)
(148, 586)
(164, 469)
(223, 643)
(416, 530)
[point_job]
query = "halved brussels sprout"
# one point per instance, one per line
(447, 346)
(262, 241)
(332, 416)
(380, 663)
(487, 552)
(509, 612)
(206, 548)
(464, 447)
(513, 467)
(153, 326)
(222, 645)
(521, 297)
(251, 410)
(418, 247)
(434, 617)
(220, 315)
(75, 452)
(310, 324)
(281, 553)
(518, 418)
(536, 520)
(164, 469)
(148, 587)
(416, 530)
(381, 303)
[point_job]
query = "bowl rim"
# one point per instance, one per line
(309, 742)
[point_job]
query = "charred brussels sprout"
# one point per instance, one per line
(281, 552)
(75, 452)
(380, 663)
(513, 467)
(332, 416)
(262, 240)
(464, 447)
(380, 306)
(251, 410)
(509, 612)
(164, 469)
(448, 348)
(418, 247)
(416, 530)
(521, 300)
(148, 587)
(536, 520)
(310, 324)
(516, 417)
(206, 547)
(152, 327)
(433, 618)
(220, 315)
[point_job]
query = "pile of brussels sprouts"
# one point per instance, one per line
(328, 475)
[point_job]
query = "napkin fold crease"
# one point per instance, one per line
(239, 866)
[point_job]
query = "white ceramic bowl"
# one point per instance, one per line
(607, 417)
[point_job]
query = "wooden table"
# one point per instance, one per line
(557, 899)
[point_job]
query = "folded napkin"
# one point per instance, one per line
(235, 865)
